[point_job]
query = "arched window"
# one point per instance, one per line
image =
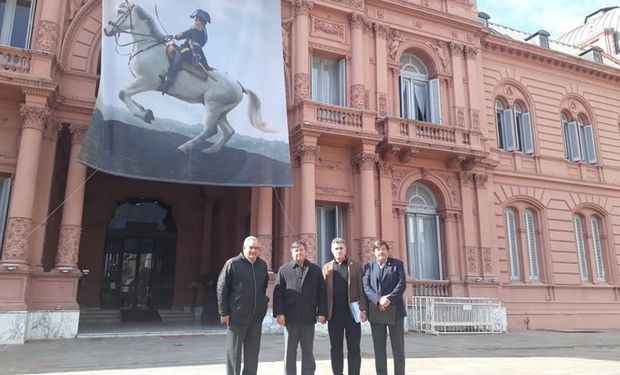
(522, 245)
(579, 142)
(590, 254)
(419, 97)
(514, 128)
(422, 230)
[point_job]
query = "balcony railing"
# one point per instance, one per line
(14, 60)
(334, 117)
(428, 134)
(431, 288)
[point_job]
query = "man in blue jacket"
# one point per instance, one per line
(384, 284)
(299, 302)
(242, 304)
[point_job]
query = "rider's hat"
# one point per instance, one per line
(202, 16)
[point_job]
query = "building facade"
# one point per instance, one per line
(485, 156)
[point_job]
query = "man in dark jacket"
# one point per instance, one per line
(384, 284)
(299, 302)
(242, 304)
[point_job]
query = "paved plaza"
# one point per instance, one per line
(522, 353)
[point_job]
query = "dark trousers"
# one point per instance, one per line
(299, 334)
(397, 339)
(340, 325)
(246, 338)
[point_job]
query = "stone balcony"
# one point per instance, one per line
(22, 67)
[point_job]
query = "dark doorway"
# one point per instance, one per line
(139, 256)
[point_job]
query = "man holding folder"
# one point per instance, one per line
(346, 307)
(384, 284)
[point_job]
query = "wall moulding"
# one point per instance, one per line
(321, 48)
(327, 29)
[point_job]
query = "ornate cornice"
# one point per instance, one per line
(552, 58)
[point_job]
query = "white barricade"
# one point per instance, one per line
(456, 315)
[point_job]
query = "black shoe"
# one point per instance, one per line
(165, 84)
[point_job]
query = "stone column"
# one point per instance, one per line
(381, 35)
(71, 223)
(358, 90)
(264, 230)
(450, 221)
(469, 222)
(366, 161)
(49, 26)
(301, 56)
(385, 190)
(485, 227)
(476, 88)
(19, 221)
(307, 154)
(458, 115)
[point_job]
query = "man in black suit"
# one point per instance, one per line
(299, 301)
(384, 284)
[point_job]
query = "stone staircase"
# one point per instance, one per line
(95, 315)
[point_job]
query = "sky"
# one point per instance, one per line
(556, 16)
(243, 36)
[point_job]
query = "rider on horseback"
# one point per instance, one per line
(190, 51)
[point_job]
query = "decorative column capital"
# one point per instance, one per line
(34, 117)
(47, 36)
(385, 169)
(365, 160)
(78, 133)
(470, 51)
(302, 86)
(68, 246)
(395, 40)
(303, 7)
(481, 180)
(357, 20)
(306, 153)
(381, 31)
(466, 178)
(16, 240)
(455, 48)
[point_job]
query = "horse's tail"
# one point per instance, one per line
(254, 112)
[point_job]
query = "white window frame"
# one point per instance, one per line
(579, 142)
(529, 219)
(580, 241)
(512, 244)
(323, 246)
(418, 91)
(321, 92)
(5, 193)
(597, 249)
(514, 128)
(8, 20)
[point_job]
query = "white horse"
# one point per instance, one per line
(148, 62)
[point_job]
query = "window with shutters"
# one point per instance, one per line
(522, 243)
(422, 232)
(420, 97)
(590, 239)
(514, 127)
(16, 20)
(328, 81)
(579, 142)
(329, 224)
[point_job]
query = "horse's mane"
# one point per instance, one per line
(150, 22)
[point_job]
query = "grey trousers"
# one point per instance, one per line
(397, 339)
(246, 338)
(302, 334)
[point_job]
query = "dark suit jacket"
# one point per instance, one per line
(356, 289)
(392, 285)
(304, 305)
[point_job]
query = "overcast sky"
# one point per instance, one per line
(556, 16)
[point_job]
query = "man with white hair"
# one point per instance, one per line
(242, 303)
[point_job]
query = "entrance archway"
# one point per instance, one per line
(139, 256)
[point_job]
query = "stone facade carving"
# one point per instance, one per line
(34, 117)
(16, 239)
(382, 103)
(78, 133)
(470, 51)
(397, 176)
(358, 96)
(68, 246)
(352, 3)
(471, 259)
(47, 36)
(331, 28)
(395, 40)
(441, 52)
(481, 180)
(365, 160)
(302, 86)
(455, 48)
(357, 20)
(460, 117)
(303, 7)
(385, 169)
(306, 153)
(475, 119)
(366, 249)
(487, 260)
(381, 30)
(466, 178)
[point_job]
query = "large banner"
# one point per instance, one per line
(191, 92)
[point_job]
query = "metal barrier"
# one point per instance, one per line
(456, 315)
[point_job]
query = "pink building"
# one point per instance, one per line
(484, 155)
